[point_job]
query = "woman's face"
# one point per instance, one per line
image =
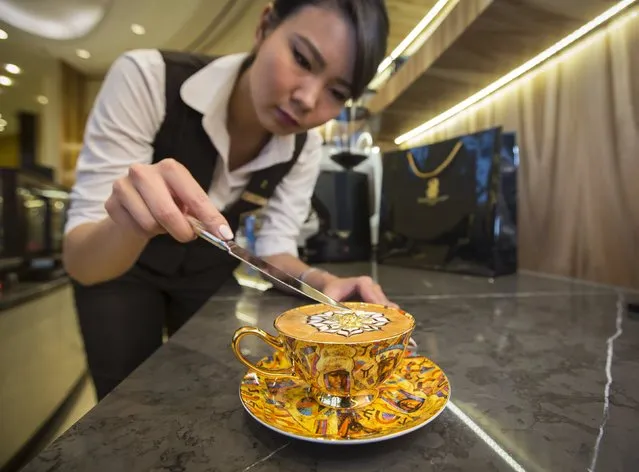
(302, 73)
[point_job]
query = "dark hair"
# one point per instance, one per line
(369, 19)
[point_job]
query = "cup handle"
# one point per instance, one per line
(268, 339)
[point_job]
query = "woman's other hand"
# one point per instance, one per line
(341, 289)
(364, 287)
(156, 198)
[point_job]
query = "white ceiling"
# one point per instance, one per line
(55, 19)
(168, 23)
(103, 27)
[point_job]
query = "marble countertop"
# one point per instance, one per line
(543, 374)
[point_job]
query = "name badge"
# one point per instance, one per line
(254, 198)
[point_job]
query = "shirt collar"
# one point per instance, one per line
(218, 76)
(208, 91)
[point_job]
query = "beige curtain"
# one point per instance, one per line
(577, 120)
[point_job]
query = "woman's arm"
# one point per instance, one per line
(338, 288)
(120, 200)
(290, 264)
(124, 119)
(282, 220)
(143, 204)
(119, 249)
(286, 211)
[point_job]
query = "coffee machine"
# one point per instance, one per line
(344, 218)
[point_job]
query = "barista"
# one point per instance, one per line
(175, 134)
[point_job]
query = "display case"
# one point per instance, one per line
(33, 214)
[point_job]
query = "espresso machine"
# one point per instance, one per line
(343, 223)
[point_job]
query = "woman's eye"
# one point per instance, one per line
(301, 60)
(339, 96)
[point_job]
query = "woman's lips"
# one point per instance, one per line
(286, 119)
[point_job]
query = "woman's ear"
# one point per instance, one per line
(265, 25)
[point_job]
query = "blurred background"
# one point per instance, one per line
(543, 95)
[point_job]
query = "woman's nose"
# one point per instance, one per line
(307, 95)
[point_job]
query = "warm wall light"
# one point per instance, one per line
(6, 81)
(12, 69)
(42, 100)
(3, 34)
(138, 29)
(528, 66)
(83, 53)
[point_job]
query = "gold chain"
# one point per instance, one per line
(441, 167)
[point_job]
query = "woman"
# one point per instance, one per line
(174, 134)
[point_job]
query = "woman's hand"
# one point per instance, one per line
(341, 289)
(366, 288)
(156, 198)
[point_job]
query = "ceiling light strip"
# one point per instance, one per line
(515, 73)
(432, 26)
(382, 77)
(415, 32)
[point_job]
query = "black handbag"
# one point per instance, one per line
(452, 205)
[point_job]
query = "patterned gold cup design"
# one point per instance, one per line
(344, 357)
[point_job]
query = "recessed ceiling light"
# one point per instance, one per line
(6, 81)
(42, 100)
(138, 29)
(3, 34)
(83, 53)
(12, 69)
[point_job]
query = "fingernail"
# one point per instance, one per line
(225, 232)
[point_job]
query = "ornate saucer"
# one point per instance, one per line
(413, 397)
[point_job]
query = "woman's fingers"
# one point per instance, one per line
(182, 184)
(134, 208)
(157, 198)
(152, 188)
(371, 291)
(118, 213)
(367, 289)
(381, 295)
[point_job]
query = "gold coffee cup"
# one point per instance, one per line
(343, 356)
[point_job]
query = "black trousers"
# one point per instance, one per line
(123, 320)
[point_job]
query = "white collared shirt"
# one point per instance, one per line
(126, 116)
